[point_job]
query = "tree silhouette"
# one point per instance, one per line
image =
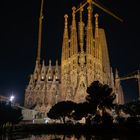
(132, 108)
(62, 110)
(100, 97)
(83, 110)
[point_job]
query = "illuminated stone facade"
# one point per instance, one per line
(84, 59)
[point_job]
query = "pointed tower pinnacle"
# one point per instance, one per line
(81, 31)
(96, 26)
(50, 74)
(65, 46)
(73, 39)
(98, 49)
(81, 39)
(56, 71)
(43, 71)
(89, 40)
(40, 32)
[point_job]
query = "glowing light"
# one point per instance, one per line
(46, 120)
(12, 97)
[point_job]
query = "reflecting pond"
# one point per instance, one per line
(69, 137)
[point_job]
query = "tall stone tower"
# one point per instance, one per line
(84, 59)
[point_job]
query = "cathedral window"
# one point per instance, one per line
(42, 78)
(49, 78)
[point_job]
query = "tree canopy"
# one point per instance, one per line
(61, 110)
(99, 97)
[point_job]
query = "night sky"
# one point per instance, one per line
(19, 34)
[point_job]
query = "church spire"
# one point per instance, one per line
(89, 39)
(73, 39)
(96, 26)
(65, 46)
(40, 32)
(98, 49)
(81, 31)
(81, 39)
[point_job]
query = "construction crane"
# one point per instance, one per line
(40, 32)
(90, 2)
(134, 75)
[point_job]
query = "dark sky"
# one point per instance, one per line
(19, 32)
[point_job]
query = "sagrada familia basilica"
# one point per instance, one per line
(84, 59)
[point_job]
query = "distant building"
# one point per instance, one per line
(84, 59)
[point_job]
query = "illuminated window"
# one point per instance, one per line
(49, 78)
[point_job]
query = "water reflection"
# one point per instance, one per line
(69, 137)
(55, 137)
